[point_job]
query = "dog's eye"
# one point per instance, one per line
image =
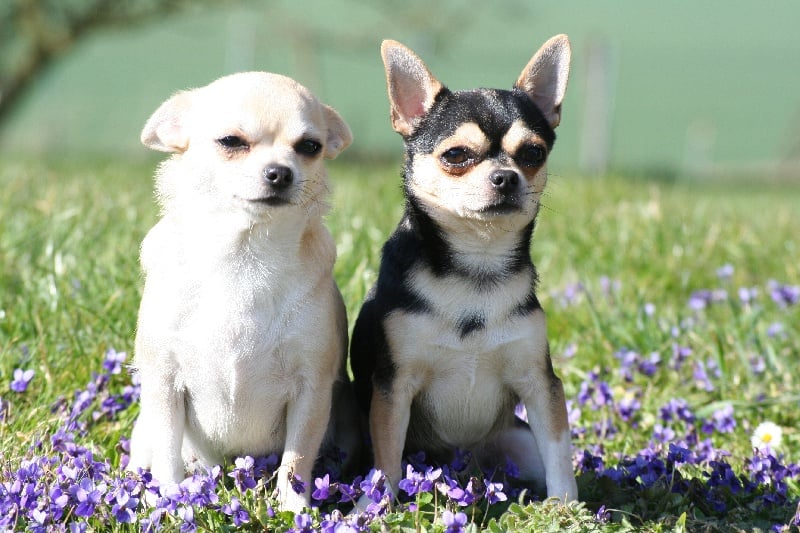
(531, 155)
(307, 147)
(456, 156)
(232, 142)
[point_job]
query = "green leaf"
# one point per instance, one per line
(424, 498)
(680, 525)
(494, 527)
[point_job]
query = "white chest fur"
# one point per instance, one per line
(215, 313)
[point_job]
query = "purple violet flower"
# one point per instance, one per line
(510, 469)
(627, 407)
(461, 459)
(679, 355)
(679, 455)
(700, 299)
(323, 488)
(784, 295)
(701, 378)
(113, 361)
(87, 495)
(725, 271)
(494, 493)
(417, 482)
(243, 474)
(298, 485)
(21, 380)
(454, 522)
(186, 513)
(303, 523)
(374, 485)
(238, 515)
(649, 366)
(775, 329)
(721, 420)
(663, 434)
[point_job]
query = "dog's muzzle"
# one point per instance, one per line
(278, 180)
(278, 177)
(507, 186)
(504, 181)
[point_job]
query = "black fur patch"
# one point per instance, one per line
(370, 359)
(529, 305)
(470, 323)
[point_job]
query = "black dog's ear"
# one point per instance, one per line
(412, 88)
(545, 77)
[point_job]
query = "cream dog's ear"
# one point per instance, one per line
(412, 87)
(545, 77)
(166, 130)
(339, 134)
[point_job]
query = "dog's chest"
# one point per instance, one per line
(456, 352)
(240, 318)
(470, 315)
(236, 362)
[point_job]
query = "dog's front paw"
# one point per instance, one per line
(150, 498)
(362, 504)
(291, 492)
(375, 503)
(566, 490)
(291, 501)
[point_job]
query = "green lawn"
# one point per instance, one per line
(647, 357)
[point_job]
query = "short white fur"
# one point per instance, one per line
(242, 331)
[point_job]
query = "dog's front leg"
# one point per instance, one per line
(543, 394)
(548, 414)
(158, 434)
(389, 415)
(306, 422)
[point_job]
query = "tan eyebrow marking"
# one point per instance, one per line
(468, 135)
(519, 134)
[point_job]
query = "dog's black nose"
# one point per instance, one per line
(278, 177)
(504, 180)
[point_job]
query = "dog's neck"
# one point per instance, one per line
(238, 234)
(474, 249)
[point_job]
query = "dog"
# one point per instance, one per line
(241, 338)
(452, 336)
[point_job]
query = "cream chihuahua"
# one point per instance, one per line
(242, 331)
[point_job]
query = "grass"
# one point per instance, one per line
(621, 262)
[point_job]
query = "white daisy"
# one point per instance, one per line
(766, 435)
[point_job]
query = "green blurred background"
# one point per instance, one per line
(663, 88)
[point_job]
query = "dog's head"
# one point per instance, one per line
(480, 154)
(251, 142)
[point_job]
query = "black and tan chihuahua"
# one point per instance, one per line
(452, 336)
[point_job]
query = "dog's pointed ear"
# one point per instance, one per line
(339, 135)
(165, 130)
(545, 77)
(412, 88)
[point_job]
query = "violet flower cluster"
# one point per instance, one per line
(65, 483)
